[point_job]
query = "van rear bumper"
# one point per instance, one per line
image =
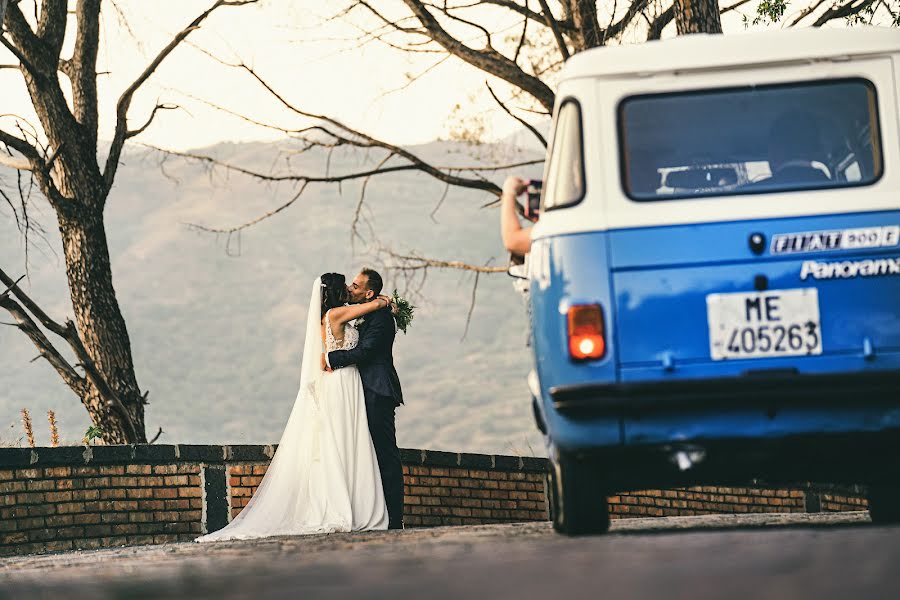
(768, 390)
(860, 458)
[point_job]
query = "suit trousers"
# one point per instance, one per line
(380, 411)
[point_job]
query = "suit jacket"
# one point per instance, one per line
(372, 356)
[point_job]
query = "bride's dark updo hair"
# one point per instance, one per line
(334, 291)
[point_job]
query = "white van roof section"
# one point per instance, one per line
(705, 51)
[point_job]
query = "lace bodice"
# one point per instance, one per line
(351, 337)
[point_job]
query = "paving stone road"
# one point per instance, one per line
(724, 556)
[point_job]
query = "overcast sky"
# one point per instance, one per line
(314, 63)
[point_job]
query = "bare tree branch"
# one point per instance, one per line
(414, 262)
(413, 79)
(284, 177)
(587, 24)
(82, 68)
(27, 325)
(252, 222)
(134, 132)
(522, 37)
(387, 22)
(471, 307)
(22, 147)
(734, 6)
(156, 437)
(20, 163)
(10, 286)
(839, 11)
(25, 44)
(124, 102)
(487, 59)
(557, 34)
(51, 26)
(446, 11)
(656, 26)
(616, 29)
(354, 233)
(523, 122)
(369, 141)
(440, 202)
(70, 334)
(807, 11)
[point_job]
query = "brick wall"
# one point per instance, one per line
(57, 499)
(243, 480)
(843, 499)
(65, 508)
(707, 500)
(445, 488)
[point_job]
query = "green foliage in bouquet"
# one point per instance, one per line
(404, 312)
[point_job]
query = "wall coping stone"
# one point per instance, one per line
(147, 453)
(221, 454)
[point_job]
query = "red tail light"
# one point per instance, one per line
(587, 338)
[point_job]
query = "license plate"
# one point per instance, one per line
(760, 324)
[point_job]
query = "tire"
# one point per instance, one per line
(552, 497)
(577, 498)
(884, 503)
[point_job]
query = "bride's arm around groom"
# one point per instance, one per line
(376, 340)
(381, 387)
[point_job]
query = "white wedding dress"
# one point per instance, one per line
(324, 477)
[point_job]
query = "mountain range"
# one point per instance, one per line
(216, 321)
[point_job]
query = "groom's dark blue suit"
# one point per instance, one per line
(381, 387)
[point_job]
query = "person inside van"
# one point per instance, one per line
(795, 149)
(517, 240)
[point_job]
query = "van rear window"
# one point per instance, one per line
(758, 139)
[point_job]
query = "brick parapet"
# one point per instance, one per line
(57, 499)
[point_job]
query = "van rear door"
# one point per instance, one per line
(814, 293)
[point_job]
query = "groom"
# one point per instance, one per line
(381, 386)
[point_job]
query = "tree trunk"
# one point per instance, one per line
(101, 326)
(697, 16)
(588, 33)
(71, 179)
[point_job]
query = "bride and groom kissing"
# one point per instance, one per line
(337, 467)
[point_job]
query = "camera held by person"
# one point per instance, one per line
(517, 239)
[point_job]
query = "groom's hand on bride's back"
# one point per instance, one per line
(325, 366)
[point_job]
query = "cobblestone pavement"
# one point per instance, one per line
(723, 556)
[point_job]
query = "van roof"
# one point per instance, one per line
(711, 51)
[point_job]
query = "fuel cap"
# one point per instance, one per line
(757, 243)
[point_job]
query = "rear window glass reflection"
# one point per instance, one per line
(750, 140)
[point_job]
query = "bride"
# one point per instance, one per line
(324, 477)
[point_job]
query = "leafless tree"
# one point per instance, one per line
(520, 60)
(523, 60)
(59, 155)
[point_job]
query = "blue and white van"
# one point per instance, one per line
(715, 277)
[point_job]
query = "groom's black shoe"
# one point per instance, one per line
(395, 525)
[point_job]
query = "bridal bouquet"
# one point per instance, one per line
(404, 312)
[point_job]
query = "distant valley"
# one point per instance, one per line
(216, 324)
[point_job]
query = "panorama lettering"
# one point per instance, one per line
(850, 269)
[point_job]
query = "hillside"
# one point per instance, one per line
(217, 325)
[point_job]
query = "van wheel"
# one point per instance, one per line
(577, 499)
(884, 503)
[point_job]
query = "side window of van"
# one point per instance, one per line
(760, 139)
(564, 185)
